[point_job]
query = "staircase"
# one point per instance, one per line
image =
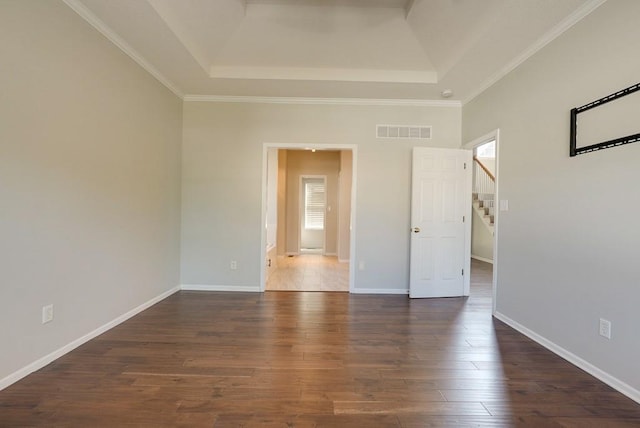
(484, 205)
(484, 194)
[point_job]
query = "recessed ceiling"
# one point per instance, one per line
(329, 3)
(382, 49)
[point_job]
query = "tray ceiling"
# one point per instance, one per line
(382, 49)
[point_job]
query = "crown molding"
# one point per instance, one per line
(106, 31)
(547, 38)
(322, 101)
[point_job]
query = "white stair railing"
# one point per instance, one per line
(484, 187)
(484, 182)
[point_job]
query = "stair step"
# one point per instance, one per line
(489, 210)
(486, 213)
(484, 196)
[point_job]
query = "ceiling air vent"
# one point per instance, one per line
(403, 131)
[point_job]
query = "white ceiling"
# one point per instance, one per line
(375, 49)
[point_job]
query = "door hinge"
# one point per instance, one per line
(465, 165)
(463, 219)
(462, 272)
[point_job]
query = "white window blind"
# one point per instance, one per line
(314, 197)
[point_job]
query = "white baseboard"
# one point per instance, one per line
(211, 287)
(40, 363)
(331, 254)
(596, 372)
(344, 260)
(379, 291)
(482, 259)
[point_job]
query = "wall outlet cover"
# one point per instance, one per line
(605, 328)
(47, 314)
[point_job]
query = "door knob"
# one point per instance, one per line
(416, 230)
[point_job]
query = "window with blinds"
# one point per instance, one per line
(314, 201)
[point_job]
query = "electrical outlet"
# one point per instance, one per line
(605, 328)
(233, 265)
(47, 314)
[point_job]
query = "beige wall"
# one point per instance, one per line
(222, 183)
(89, 182)
(281, 236)
(304, 162)
(568, 246)
(344, 205)
(272, 198)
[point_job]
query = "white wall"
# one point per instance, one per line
(481, 238)
(89, 182)
(489, 163)
(568, 246)
(222, 182)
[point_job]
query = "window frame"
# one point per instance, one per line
(306, 180)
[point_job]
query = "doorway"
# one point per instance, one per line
(308, 214)
(486, 212)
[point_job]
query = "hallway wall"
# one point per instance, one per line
(305, 162)
(568, 246)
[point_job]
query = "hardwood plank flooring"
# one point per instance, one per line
(299, 359)
(309, 272)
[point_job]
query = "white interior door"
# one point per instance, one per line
(440, 216)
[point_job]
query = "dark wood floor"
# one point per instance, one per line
(286, 359)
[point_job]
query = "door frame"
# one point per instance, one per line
(301, 208)
(493, 135)
(354, 175)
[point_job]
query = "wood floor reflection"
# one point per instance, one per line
(299, 359)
